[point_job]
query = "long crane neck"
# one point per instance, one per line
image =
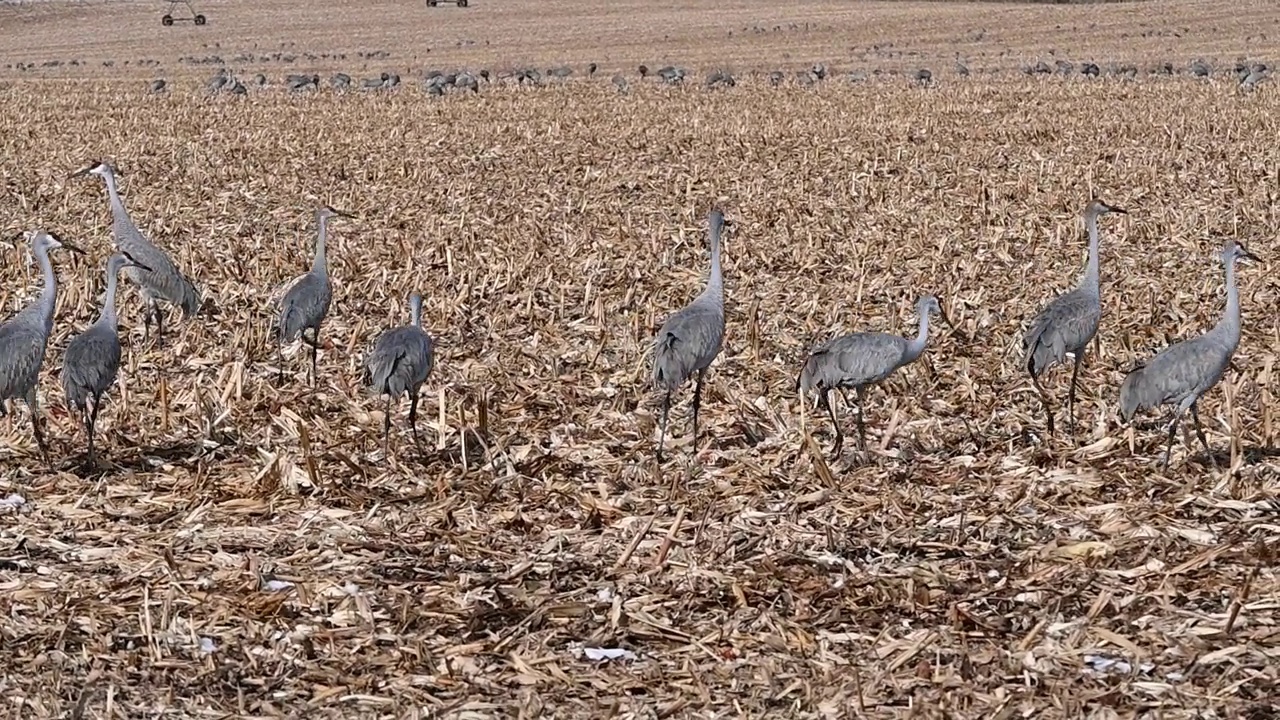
(916, 346)
(415, 311)
(1090, 279)
(318, 265)
(1230, 323)
(715, 283)
(113, 193)
(49, 293)
(109, 305)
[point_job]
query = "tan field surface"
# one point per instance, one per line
(243, 548)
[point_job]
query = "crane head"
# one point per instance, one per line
(928, 304)
(99, 168)
(1233, 250)
(327, 212)
(50, 241)
(1097, 208)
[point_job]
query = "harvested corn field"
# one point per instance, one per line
(247, 550)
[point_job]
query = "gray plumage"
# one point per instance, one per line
(163, 281)
(400, 362)
(92, 358)
(24, 337)
(158, 85)
(861, 359)
(691, 338)
(1069, 322)
(306, 303)
(1180, 374)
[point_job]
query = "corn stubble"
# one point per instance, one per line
(549, 231)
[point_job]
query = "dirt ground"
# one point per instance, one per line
(248, 551)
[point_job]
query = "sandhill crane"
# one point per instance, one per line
(340, 81)
(24, 337)
(620, 83)
(158, 85)
(691, 338)
(1183, 372)
(400, 363)
(1200, 68)
(306, 303)
(859, 360)
(1069, 322)
(93, 357)
(163, 281)
(591, 70)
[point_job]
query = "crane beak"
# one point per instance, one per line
(343, 213)
(1246, 255)
(1117, 209)
(69, 246)
(81, 172)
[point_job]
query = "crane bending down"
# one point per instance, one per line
(400, 363)
(860, 359)
(93, 357)
(306, 303)
(1069, 322)
(1181, 373)
(691, 338)
(24, 337)
(163, 281)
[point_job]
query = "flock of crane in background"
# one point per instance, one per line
(1248, 75)
(688, 342)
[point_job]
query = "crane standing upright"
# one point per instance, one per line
(691, 338)
(1069, 322)
(163, 281)
(25, 336)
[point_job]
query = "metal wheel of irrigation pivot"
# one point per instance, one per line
(193, 16)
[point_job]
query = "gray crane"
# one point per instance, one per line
(24, 337)
(163, 281)
(400, 363)
(1181, 373)
(1069, 322)
(93, 357)
(691, 338)
(306, 303)
(859, 360)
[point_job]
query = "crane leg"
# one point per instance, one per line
(155, 308)
(34, 406)
(315, 350)
(662, 425)
(1173, 431)
(1195, 417)
(862, 427)
(1044, 400)
(1071, 394)
(280, 357)
(835, 424)
(386, 428)
(697, 402)
(91, 422)
(413, 416)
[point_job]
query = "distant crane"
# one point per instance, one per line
(1183, 372)
(861, 359)
(306, 303)
(1069, 322)
(691, 338)
(400, 363)
(163, 281)
(24, 337)
(93, 357)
